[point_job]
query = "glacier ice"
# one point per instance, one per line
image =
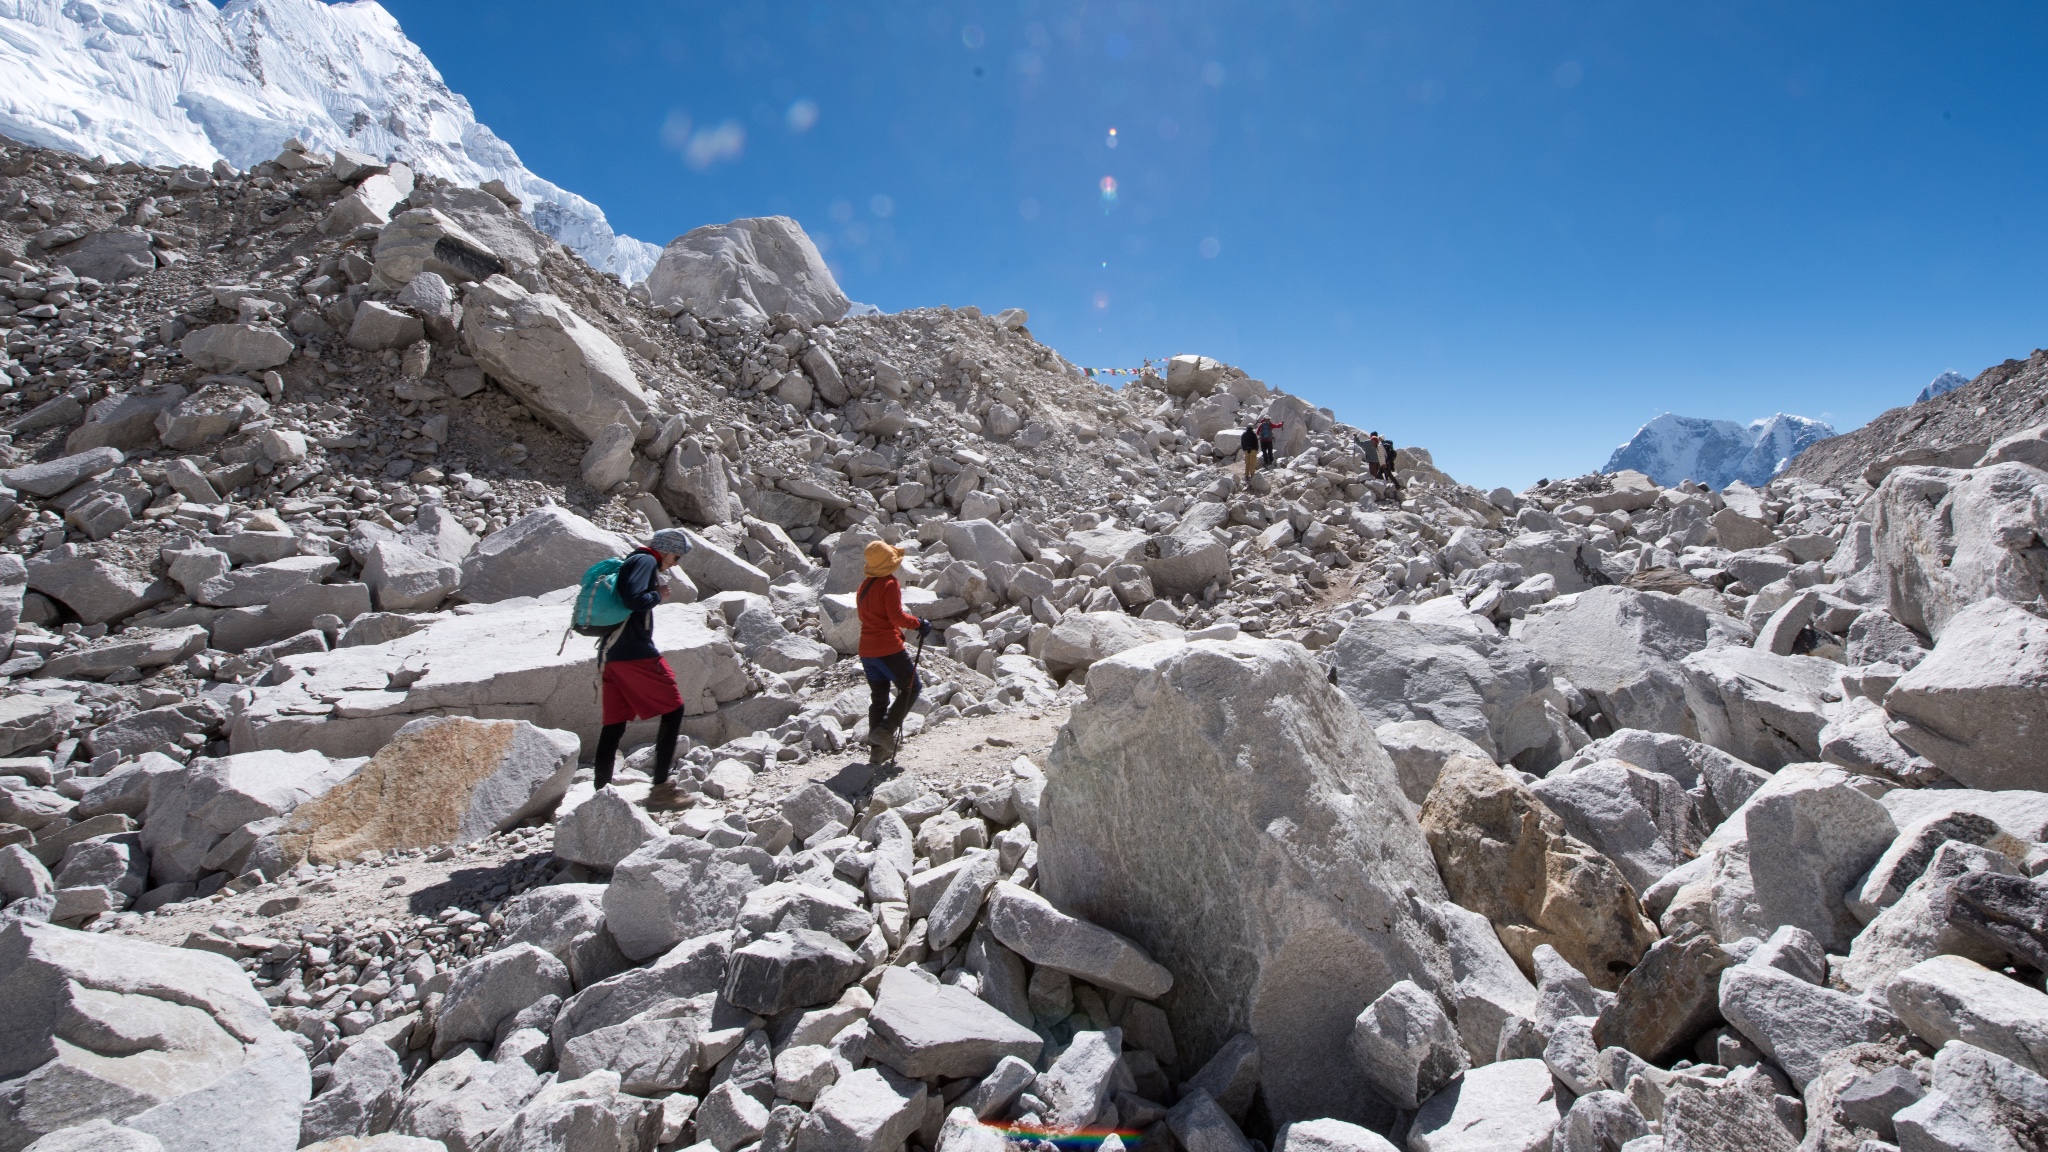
(185, 82)
(1672, 448)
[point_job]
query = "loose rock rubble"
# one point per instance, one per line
(1382, 813)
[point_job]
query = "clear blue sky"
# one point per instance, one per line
(1510, 232)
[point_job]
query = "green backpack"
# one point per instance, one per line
(598, 607)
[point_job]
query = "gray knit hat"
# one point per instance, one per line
(673, 541)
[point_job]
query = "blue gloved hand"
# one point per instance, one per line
(924, 628)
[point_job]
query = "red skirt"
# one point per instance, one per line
(639, 690)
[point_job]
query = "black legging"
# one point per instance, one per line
(903, 674)
(608, 738)
(1266, 453)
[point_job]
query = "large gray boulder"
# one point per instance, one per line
(124, 419)
(653, 1052)
(561, 366)
(428, 240)
(546, 549)
(1980, 1100)
(1946, 539)
(603, 830)
(1165, 792)
(1794, 854)
(676, 888)
(510, 661)
(1029, 925)
(463, 1099)
(1991, 661)
(501, 227)
(1082, 638)
(494, 987)
(402, 578)
(871, 1110)
(192, 810)
(1948, 998)
(567, 922)
(1643, 821)
(364, 1086)
(1420, 749)
(1917, 926)
(1407, 1045)
(111, 256)
(1796, 1023)
(1490, 992)
(693, 484)
(747, 270)
(173, 1042)
(1764, 709)
(51, 477)
(923, 1030)
(98, 591)
(1622, 647)
(229, 348)
(1187, 560)
(586, 1114)
(798, 968)
(688, 970)
(216, 409)
(1718, 783)
(1511, 1106)
(1491, 690)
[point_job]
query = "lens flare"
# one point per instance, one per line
(1108, 186)
(1084, 1140)
(1112, 137)
(1101, 301)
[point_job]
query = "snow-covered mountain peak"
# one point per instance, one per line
(1947, 382)
(185, 82)
(1671, 448)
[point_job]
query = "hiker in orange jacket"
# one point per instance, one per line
(882, 654)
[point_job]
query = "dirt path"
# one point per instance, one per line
(476, 877)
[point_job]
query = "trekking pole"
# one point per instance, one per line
(919, 662)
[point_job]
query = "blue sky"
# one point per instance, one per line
(1509, 232)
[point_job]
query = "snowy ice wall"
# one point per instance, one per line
(184, 82)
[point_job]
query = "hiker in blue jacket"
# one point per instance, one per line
(638, 683)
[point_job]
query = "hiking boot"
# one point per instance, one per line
(881, 746)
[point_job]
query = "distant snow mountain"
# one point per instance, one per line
(1948, 381)
(184, 82)
(1672, 448)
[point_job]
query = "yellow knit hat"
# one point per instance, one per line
(882, 557)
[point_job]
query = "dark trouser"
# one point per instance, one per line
(883, 671)
(1266, 453)
(608, 738)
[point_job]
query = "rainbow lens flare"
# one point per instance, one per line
(1108, 186)
(1085, 1140)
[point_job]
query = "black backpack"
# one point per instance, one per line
(1249, 440)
